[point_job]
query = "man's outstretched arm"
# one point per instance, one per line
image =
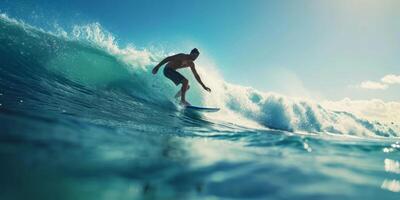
(167, 59)
(196, 75)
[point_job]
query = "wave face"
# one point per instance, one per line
(82, 118)
(47, 72)
(47, 69)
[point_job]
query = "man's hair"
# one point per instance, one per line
(195, 51)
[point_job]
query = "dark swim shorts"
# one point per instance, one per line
(175, 76)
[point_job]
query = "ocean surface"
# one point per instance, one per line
(83, 118)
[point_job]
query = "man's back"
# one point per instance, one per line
(179, 61)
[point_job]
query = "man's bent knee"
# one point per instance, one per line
(185, 82)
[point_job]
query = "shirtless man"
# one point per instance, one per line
(179, 61)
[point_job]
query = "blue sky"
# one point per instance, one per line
(319, 49)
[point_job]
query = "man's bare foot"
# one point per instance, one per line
(185, 103)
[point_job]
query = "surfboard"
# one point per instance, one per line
(202, 109)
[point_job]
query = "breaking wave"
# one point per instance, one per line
(49, 69)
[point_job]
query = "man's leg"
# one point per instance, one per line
(184, 88)
(178, 94)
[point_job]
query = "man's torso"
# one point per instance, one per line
(179, 61)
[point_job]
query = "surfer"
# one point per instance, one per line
(179, 61)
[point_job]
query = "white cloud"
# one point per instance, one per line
(373, 85)
(391, 79)
(385, 82)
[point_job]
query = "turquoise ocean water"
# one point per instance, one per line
(82, 118)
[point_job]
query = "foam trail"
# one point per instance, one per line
(277, 111)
